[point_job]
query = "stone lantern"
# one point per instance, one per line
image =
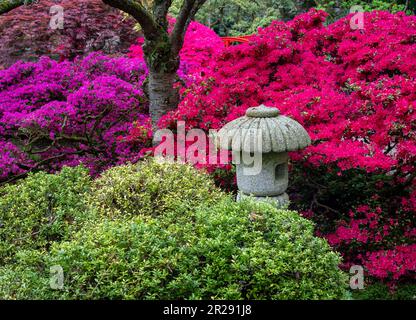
(266, 135)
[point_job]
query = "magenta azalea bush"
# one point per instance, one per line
(54, 114)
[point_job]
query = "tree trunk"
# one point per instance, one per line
(163, 65)
(162, 95)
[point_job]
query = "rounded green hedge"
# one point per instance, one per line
(163, 232)
(41, 209)
(227, 251)
(151, 188)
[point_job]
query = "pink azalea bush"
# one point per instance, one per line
(355, 93)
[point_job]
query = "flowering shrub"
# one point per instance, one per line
(54, 114)
(89, 25)
(355, 92)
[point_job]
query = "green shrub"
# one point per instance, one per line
(151, 188)
(225, 251)
(21, 279)
(41, 209)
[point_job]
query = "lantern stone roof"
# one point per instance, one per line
(264, 130)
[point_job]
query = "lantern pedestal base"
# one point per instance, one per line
(279, 201)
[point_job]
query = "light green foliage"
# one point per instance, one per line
(163, 231)
(23, 278)
(226, 251)
(41, 209)
(151, 188)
